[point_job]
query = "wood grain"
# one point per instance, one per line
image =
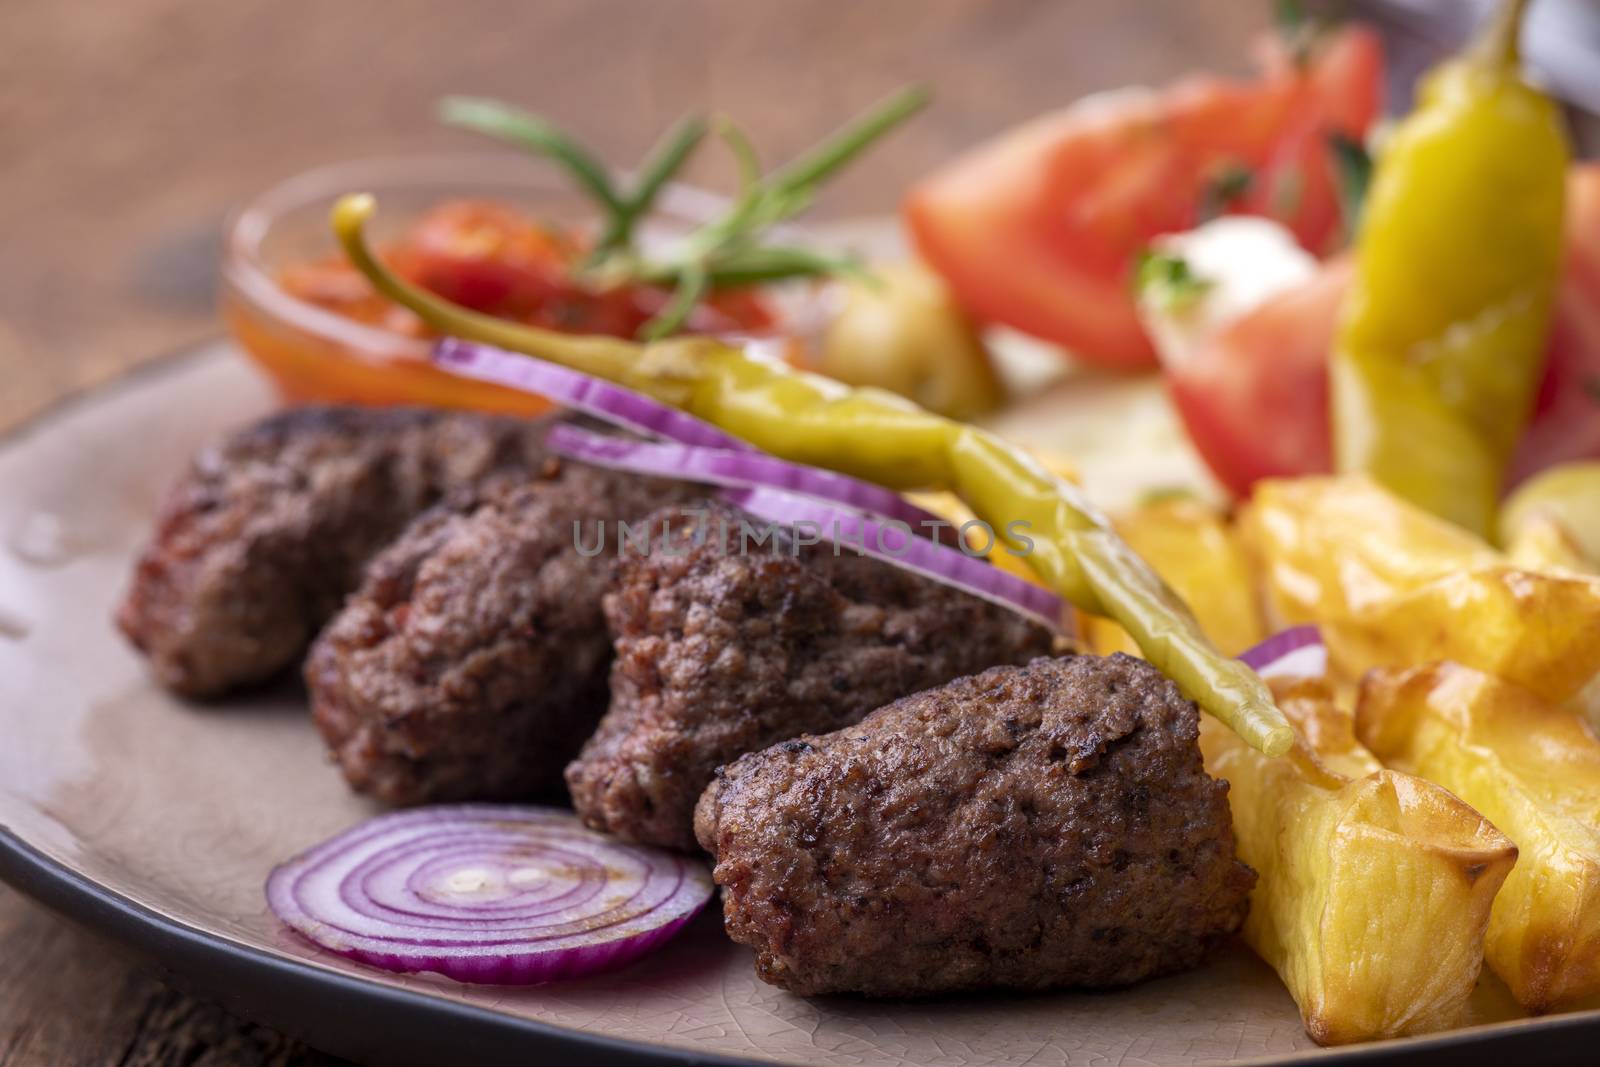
(129, 130)
(67, 997)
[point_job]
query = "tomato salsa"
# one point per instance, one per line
(481, 254)
(492, 258)
(326, 335)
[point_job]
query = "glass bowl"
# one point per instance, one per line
(314, 354)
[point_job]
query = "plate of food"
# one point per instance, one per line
(1141, 604)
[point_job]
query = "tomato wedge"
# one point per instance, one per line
(1254, 397)
(1040, 228)
(1566, 415)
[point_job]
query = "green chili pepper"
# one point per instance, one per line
(1457, 256)
(886, 439)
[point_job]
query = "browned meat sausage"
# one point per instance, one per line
(471, 664)
(259, 543)
(1028, 827)
(721, 653)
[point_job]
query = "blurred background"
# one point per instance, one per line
(128, 131)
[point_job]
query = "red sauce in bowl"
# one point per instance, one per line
(481, 254)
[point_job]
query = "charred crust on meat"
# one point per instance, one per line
(260, 540)
(722, 652)
(965, 838)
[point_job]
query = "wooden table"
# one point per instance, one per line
(129, 130)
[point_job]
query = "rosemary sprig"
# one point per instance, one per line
(665, 160)
(529, 131)
(726, 251)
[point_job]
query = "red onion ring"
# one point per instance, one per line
(1298, 652)
(574, 389)
(888, 541)
(783, 503)
(486, 893)
(715, 466)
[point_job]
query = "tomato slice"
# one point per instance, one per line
(488, 257)
(1039, 229)
(1254, 397)
(1566, 416)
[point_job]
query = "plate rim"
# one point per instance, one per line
(191, 957)
(182, 951)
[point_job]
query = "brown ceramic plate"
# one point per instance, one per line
(156, 822)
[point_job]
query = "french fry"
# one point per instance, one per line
(1561, 504)
(1393, 586)
(1374, 887)
(1538, 630)
(1534, 770)
(1542, 542)
(1192, 546)
(1332, 546)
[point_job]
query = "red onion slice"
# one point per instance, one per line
(1298, 652)
(716, 466)
(574, 389)
(785, 504)
(486, 893)
(895, 543)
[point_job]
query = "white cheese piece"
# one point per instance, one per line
(1240, 261)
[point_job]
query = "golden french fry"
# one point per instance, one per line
(1538, 630)
(1542, 542)
(1391, 585)
(1566, 498)
(1331, 546)
(1534, 770)
(1192, 546)
(1374, 887)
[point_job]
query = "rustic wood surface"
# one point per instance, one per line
(129, 130)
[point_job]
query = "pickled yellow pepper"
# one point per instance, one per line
(885, 439)
(1457, 255)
